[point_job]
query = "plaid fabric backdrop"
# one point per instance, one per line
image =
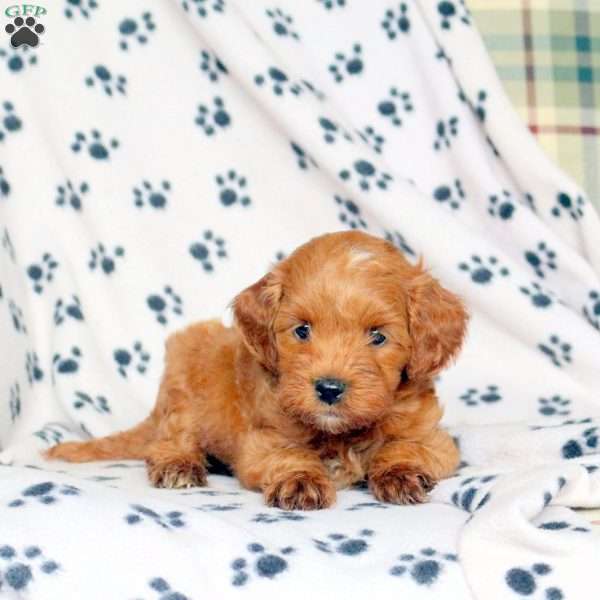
(547, 53)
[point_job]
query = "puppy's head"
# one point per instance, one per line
(343, 322)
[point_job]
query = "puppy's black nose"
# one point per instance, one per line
(330, 391)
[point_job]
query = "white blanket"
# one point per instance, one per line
(157, 157)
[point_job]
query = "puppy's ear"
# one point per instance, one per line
(254, 311)
(437, 321)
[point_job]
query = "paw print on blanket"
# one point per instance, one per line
(8, 245)
(396, 238)
(219, 507)
(554, 406)
(450, 11)
(278, 517)
(138, 30)
(396, 21)
(562, 526)
(525, 581)
(211, 66)
(280, 83)
(473, 397)
(303, 159)
(4, 185)
(203, 8)
(211, 120)
(169, 520)
(350, 214)
(342, 544)
(569, 205)
(557, 351)
(137, 359)
(453, 198)
(368, 505)
(539, 298)
(164, 303)
(9, 121)
(82, 8)
(332, 131)
(97, 148)
(52, 433)
(205, 250)
(99, 403)
(14, 401)
(17, 318)
(483, 271)
(266, 565)
(331, 4)
(42, 272)
(587, 443)
(106, 81)
(103, 259)
(17, 568)
(32, 368)
(477, 106)
(44, 493)
(283, 24)
(424, 568)
(501, 205)
(347, 65)
(69, 364)
(444, 132)
(541, 259)
(69, 194)
(150, 195)
(17, 59)
(372, 138)
(366, 175)
(68, 309)
(162, 587)
(473, 493)
(394, 105)
(591, 311)
(232, 189)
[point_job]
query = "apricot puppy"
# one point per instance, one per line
(325, 380)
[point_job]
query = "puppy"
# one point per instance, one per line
(324, 381)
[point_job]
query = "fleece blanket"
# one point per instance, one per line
(157, 157)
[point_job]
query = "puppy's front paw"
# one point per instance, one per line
(176, 474)
(301, 491)
(400, 486)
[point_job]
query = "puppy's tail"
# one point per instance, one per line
(129, 444)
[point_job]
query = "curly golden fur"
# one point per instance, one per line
(247, 394)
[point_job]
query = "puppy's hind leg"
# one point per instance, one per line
(175, 459)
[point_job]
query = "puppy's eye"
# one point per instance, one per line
(377, 338)
(302, 332)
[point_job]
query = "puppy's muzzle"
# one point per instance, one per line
(330, 391)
